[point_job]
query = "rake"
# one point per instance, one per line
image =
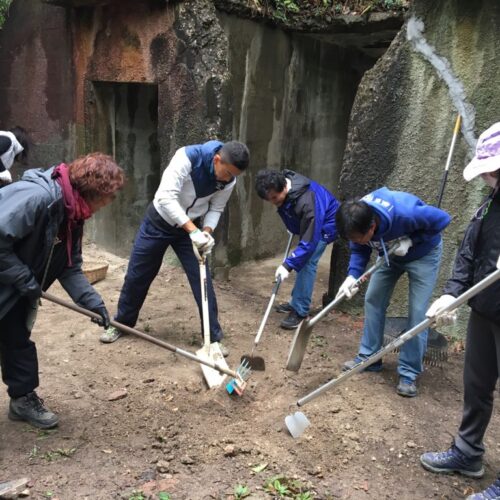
(240, 376)
(297, 422)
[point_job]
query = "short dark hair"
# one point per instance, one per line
(235, 153)
(268, 180)
(23, 139)
(354, 217)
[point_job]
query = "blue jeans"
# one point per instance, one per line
(422, 275)
(150, 246)
(304, 282)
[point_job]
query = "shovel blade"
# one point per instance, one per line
(255, 363)
(299, 345)
(213, 354)
(297, 424)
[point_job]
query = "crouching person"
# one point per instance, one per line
(374, 222)
(41, 227)
(307, 209)
(476, 258)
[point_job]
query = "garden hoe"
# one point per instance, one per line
(258, 363)
(210, 351)
(297, 422)
(304, 330)
(239, 377)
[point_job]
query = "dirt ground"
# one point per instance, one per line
(170, 435)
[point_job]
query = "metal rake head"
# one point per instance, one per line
(237, 385)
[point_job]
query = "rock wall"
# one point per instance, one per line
(405, 110)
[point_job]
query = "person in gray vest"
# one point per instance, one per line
(14, 146)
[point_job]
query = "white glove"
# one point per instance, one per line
(282, 272)
(442, 318)
(211, 243)
(404, 245)
(200, 239)
(348, 288)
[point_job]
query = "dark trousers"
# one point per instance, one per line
(481, 370)
(150, 246)
(18, 355)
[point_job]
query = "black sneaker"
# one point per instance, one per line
(452, 460)
(30, 408)
(492, 492)
(292, 321)
(284, 307)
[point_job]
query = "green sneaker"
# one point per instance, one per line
(110, 335)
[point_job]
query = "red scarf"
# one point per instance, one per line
(75, 206)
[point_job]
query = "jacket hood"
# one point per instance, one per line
(208, 150)
(300, 184)
(382, 202)
(44, 179)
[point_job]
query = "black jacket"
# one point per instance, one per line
(477, 257)
(31, 213)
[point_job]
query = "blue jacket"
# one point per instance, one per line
(309, 211)
(400, 214)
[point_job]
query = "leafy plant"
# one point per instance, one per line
(163, 495)
(60, 452)
(241, 491)
(4, 9)
(137, 495)
(284, 487)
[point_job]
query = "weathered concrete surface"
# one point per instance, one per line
(36, 79)
(291, 105)
(403, 115)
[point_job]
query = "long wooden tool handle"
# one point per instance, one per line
(138, 333)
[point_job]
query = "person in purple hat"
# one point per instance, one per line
(476, 258)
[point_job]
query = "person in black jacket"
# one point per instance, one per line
(14, 145)
(41, 226)
(477, 257)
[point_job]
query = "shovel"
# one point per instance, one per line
(258, 363)
(210, 352)
(304, 330)
(297, 422)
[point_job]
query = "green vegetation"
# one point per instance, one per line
(4, 9)
(284, 10)
(284, 487)
(241, 491)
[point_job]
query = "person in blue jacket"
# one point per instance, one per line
(308, 210)
(188, 203)
(375, 222)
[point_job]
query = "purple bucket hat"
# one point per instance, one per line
(487, 157)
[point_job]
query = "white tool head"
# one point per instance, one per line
(297, 424)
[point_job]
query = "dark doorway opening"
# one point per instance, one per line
(123, 122)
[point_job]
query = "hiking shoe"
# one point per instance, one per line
(30, 409)
(406, 387)
(284, 307)
(375, 367)
(492, 492)
(292, 321)
(452, 460)
(110, 335)
(223, 349)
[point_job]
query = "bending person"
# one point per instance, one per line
(41, 227)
